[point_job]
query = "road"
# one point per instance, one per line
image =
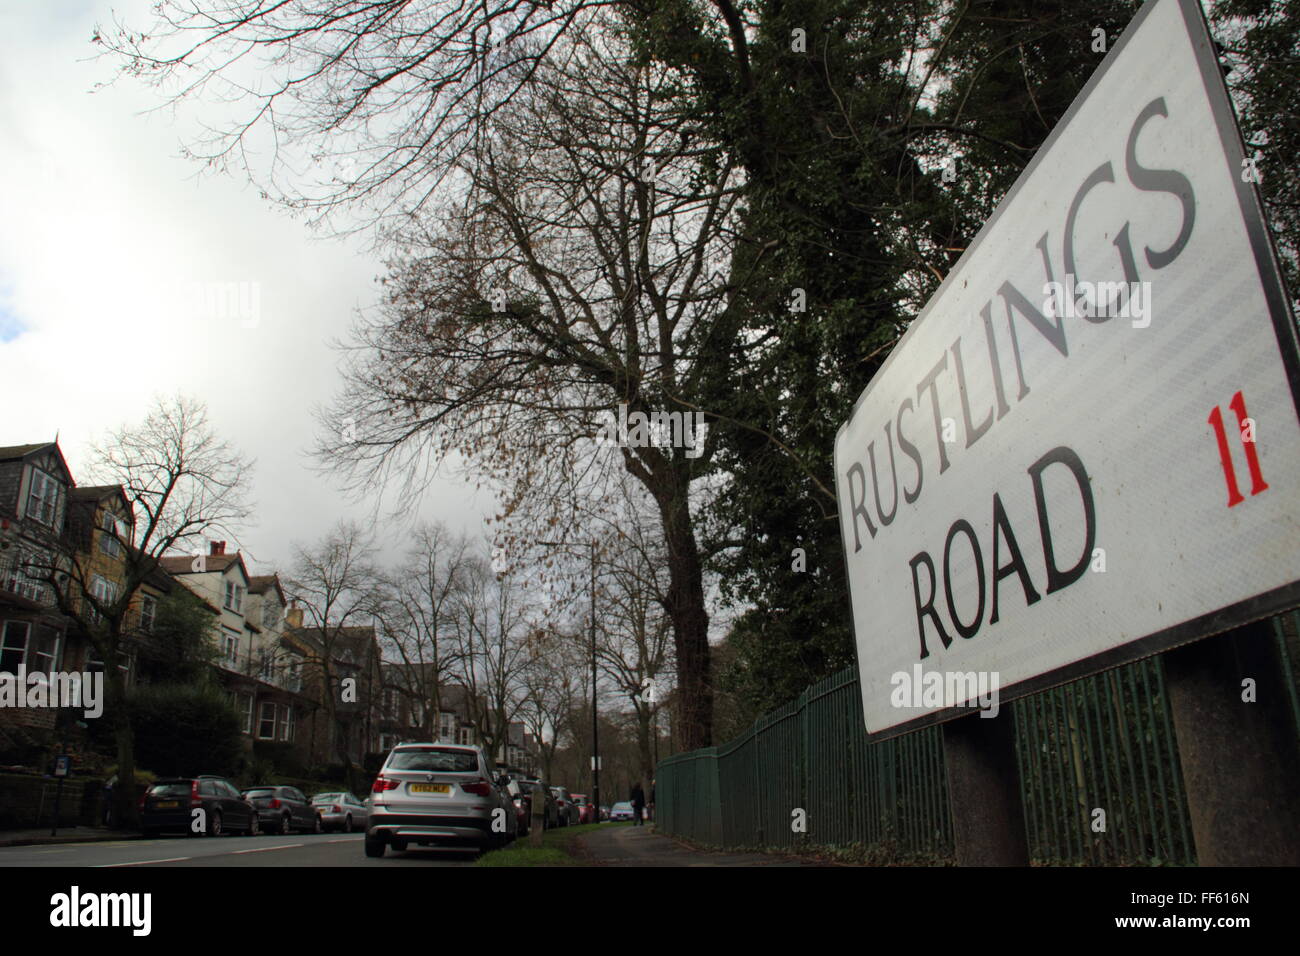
(315, 850)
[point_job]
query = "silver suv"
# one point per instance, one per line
(438, 794)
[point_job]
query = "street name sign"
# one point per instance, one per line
(1086, 448)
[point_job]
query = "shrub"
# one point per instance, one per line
(185, 729)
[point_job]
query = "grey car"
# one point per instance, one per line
(341, 811)
(284, 809)
(438, 795)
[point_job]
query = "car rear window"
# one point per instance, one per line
(327, 798)
(179, 788)
(260, 792)
(447, 761)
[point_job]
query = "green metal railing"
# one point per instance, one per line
(1102, 743)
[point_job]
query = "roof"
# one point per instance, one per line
(184, 564)
(10, 452)
(16, 452)
(261, 583)
(356, 639)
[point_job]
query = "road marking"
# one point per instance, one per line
(174, 859)
(344, 840)
(265, 849)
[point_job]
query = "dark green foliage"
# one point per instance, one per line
(181, 645)
(184, 729)
(846, 201)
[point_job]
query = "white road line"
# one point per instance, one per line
(265, 849)
(344, 840)
(174, 859)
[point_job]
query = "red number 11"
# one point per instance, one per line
(1257, 483)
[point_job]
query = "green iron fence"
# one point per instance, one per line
(1103, 743)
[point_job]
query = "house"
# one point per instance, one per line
(35, 484)
(407, 707)
(353, 676)
(260, 670)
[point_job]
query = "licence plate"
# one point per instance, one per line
(166, 805)
(430, 788)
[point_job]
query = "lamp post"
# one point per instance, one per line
(595, 732)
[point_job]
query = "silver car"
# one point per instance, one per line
(341, 811)
(438, 795)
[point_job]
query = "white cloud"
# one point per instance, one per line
(105, 232)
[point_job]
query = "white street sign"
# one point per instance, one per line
(1049, 476)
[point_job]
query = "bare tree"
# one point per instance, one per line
(492, 651)
(552, 685)
(574, 283)
(182, 482)
(335, 583)
(418, 609)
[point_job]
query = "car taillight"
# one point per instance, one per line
(336, 809)
(194, 793)
(479, 787)
(142, 799)
(275, 803)
(383, 783)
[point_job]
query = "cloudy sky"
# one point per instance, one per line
(110, 247)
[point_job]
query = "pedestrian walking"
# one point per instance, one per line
(638, 803)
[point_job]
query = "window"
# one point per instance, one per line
(43, 498)
(286, 722)
(268, 666)
(148, 611)
(113, 531)
(465, 736)
(270, 614)
(244, 707)
(234, 597)
(447, 727)
(266, 721)
(229, 647)
(13, 645)
(25, 576)
(429, 759)
(293, 675)
(105, 592)
(388, 702)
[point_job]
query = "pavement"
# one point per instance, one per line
(41, 836)
(642, 846)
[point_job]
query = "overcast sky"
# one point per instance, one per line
(105, 232)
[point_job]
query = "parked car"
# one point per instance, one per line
(170, 804)
(586, 810)
(604, 812)
(622, 811)
(341, 811)
(284, 809)
(550, 813)
(437, 795)
(568, 809)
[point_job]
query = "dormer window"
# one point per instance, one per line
(234, 597)
(43, 498)
(113, 531)
(270, 614)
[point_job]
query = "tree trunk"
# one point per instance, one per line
(687, 610)
(126, 814)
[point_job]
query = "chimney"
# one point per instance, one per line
(218, 547)
(293, 616)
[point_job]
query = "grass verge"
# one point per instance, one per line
(559, 848)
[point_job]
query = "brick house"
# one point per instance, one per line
(356, 681)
